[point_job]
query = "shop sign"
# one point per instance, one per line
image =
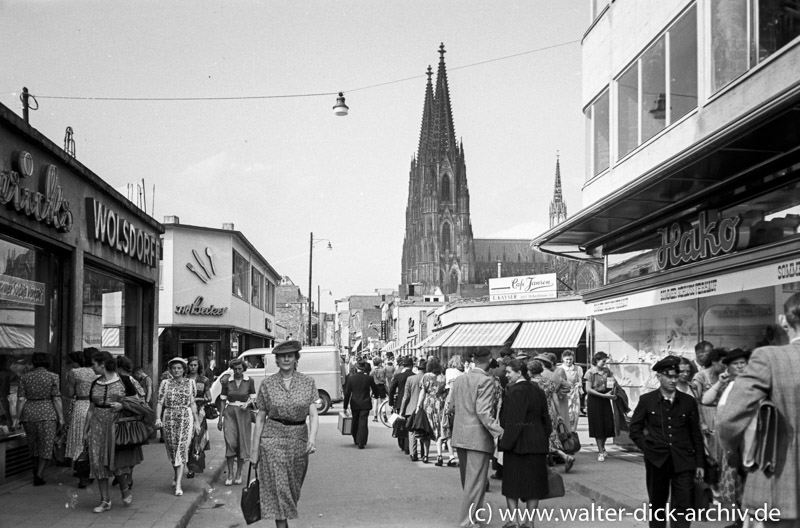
(197, 308)
(21, 290)
(681, 244)
(748, 279)
(523, 288)
(48, 207)
(108, 227)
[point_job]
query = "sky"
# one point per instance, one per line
(280, 168)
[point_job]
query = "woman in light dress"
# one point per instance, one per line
(574, 375)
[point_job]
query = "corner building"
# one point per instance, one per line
(692, 190)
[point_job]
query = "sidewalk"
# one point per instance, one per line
(60, 502)
(618, 482)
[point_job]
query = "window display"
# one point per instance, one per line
(111, 314)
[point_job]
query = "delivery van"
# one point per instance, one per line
(321, 363)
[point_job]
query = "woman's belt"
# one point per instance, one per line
(287, 422)
(81, 397)
(40, 399)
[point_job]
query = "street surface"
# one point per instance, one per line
(379, 486)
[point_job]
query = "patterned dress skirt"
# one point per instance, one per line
(124, 459)
(282, 465)
(41, 437)
(178, 431)
(77, 425)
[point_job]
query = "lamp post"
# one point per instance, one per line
(310, 269)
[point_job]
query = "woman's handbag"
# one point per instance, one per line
(82, 464)
(420, 424)
(212, 413)
(555, 484)
(60, 445)
(251, 500)
(130, 431)
(712, 472)
(569, 440)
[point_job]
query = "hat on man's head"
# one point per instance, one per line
(505, 351)
(522, 355)
(361, 365)
(287, 347)
(481, 354)
(407, 361)
(669, 363)
(544, 358)
(736, 353)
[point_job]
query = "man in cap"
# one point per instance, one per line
(666, 427)
(357, 395)
(475, 429)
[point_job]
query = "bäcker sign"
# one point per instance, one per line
(197, 308)
(681, 243)
(523, 288)
(107, 226)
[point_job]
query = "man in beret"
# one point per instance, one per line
(475, 429)
(666, 427)
(357, 394)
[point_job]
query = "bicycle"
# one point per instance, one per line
(384, 411)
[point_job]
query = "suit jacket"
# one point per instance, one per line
(411, 394)
(356, 391)
(773, 372)
(475, 426)
(397, 390)
(662, 431)
(525, 420)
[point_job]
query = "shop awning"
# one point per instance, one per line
(437, 339)
(356, 346)
(481, 334)
(389, 347)
(563, 333)
(408, 346)
(16, 337)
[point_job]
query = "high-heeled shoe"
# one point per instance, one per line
(424, 459)
(104, 507)
(439, 461)
(127, 497)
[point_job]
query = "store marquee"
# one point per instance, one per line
(749, 279)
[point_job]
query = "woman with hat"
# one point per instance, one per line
(180, 420)
(238, 396)
(285, 401)
(600, 394)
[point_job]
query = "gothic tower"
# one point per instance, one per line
(558, 208)
(438, 249)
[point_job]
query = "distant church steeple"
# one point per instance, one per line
(558, 208)
(438, 250)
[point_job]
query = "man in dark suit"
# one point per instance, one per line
(396, 392)
(666, 427)
(409, 405)
(357, 394)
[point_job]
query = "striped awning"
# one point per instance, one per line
(564, 333)
(356, 346)
(481, 334)
(389, 347)
(436, 340)
(407, 346)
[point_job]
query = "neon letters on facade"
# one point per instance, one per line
(681, 244)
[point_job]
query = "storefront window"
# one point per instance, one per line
(29, 316)
(258, 289)
(628, 110)
(111, 314)
(683, 66)
(241, 276)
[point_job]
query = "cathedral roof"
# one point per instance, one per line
(505, 249)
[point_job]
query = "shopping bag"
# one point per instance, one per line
(345, 423)
(555, 484)
(251, 500)
(392, 419)
(569, 440)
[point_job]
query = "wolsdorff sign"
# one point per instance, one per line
(197, 308)
(681, 244)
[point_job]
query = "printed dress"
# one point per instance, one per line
(39, 387)
(282, 457)
(575, 377)
(433, 401)
(80, 379)
(101, 466)
(176, 396)
(549, 387)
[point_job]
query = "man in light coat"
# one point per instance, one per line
(475, 428)
(409, 405)
(773, 373)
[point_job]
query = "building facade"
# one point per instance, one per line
(78, 269)
(218, 295)
(692, 191)
(292, 310)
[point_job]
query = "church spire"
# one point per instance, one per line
(428, 120)
(445, 137)
(558, 208)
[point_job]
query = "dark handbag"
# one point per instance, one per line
(569, 440)
(399, 428)
(555, 484)
(251, 500)
(82, 464)
(60, 445)
(130, 431)
(421, 425)
(197, 461)
(711, 472)
(212, 413)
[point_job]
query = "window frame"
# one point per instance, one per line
(256, 288)
(245, 274)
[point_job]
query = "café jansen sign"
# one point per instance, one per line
(682, 243)
(523, 288)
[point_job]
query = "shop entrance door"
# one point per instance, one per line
(207, 351)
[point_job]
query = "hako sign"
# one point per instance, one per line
(682, 243)
(523, 288)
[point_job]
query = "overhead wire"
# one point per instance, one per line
(289, 96)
